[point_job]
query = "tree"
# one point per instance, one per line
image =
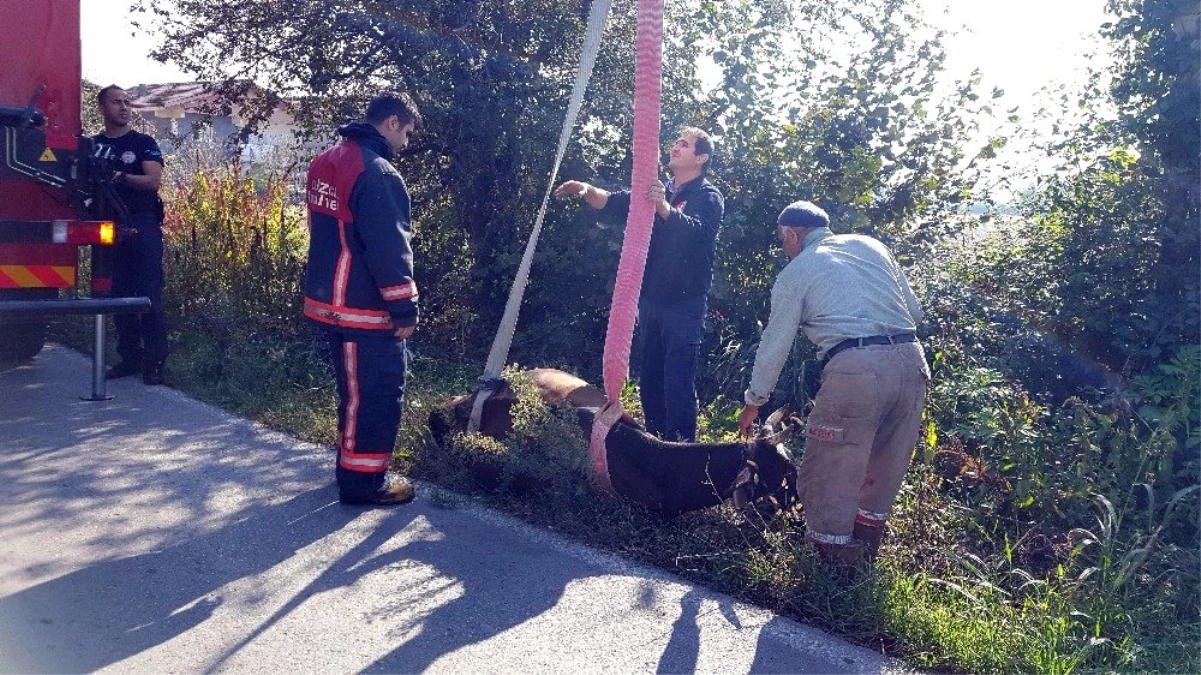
(92, 120)
(1112, 260)
(1157, 87)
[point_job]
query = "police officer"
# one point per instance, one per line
(138, 263)
(359, 290)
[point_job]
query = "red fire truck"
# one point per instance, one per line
(55, 196)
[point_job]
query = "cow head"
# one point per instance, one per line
(495, 419)
(770, 473)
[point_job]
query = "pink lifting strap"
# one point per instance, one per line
(599, 479)
(647, 76)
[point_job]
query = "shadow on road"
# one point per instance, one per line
(99, 615)
(500, 590)
(196, 489)
(680, 654)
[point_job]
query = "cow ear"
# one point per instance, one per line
(743, 489)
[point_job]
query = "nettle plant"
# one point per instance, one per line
(1167, 401)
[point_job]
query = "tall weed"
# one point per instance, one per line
(236, 243)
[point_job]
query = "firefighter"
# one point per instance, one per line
(359, 290)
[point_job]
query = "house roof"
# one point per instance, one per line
(178, 95)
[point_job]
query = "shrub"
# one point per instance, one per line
(236, 247)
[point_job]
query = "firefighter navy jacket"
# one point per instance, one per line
(359, 277)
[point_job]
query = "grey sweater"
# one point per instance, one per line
(839, 287)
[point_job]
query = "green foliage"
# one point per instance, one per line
(1156, 85)
(1073, 490)
(1092, 251)
(1084, 503)
(1165, 398)
(1112, 252)
(1026, 479)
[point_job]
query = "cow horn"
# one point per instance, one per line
(791, 425)
(772, 421)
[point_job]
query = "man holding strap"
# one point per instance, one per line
(676, 281)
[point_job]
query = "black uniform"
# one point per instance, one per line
(674, 299)
(138, 266)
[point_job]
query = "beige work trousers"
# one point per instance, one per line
(860, 438)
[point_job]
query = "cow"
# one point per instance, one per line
(666, 477)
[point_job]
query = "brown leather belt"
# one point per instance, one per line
(855, 343)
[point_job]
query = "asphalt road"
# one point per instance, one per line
(155, 533)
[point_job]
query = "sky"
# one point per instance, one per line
(1020, 45)
(114, 52)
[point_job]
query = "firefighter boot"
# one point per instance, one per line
(870, 536)
(842, 555)
(395, 491)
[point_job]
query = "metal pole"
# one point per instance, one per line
(98, 393)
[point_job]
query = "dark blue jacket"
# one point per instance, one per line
(679, 262)
(359, 277)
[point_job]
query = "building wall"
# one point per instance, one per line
(171, 128)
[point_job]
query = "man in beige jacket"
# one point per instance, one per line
(853, 301)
